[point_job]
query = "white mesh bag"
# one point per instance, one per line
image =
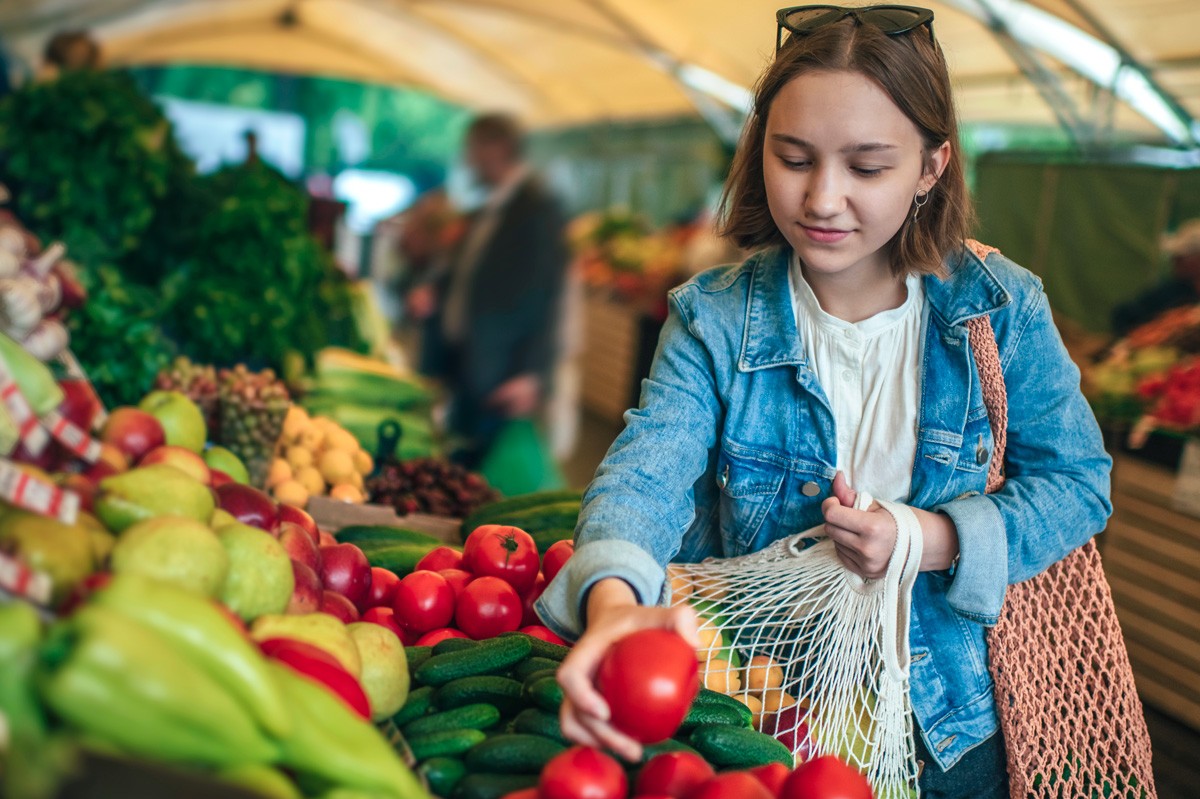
(818, 653)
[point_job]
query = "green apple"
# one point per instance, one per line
(384, 668)
(173, 549)
(181, 420)
(319, 629)
(150, 491)
(224, 460)
(260, 572)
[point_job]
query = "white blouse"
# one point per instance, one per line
(871, 373)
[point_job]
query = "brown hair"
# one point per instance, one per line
(912, 70)
(498, 128)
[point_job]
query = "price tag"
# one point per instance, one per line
(19, 488)
(1186, 498)
(19, 579)
(72, 436)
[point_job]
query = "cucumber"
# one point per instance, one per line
(453, 645)
(359, 534)
(738, 747)
(544, 539)
(479, 716)
(556, 516)
(446, 743)
(503, 693)
(416, 655)
(493, 656)
(419, 702)
(443, 774)
(540, 648)
(710, 698)
(493, 786)
(534, 721)
(533, 664)
(399, 558)
(512, 754)
(544, 692)
(539, 674)
(506, 507)
(669, 745)
(701, 715)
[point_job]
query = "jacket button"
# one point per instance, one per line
(981, 455)
(810, 489)
(723, 479)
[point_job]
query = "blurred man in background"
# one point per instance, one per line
(496, 302)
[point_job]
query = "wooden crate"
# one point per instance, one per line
(609, 358)
(1152, 558)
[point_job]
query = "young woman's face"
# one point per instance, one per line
(842, 164)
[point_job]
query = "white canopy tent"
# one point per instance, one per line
(563, 62)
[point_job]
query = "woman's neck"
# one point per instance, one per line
(857, 294)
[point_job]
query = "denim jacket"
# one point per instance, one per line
(734, 446)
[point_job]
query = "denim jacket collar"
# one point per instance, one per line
(770, 337)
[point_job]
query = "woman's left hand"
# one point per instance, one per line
(864, 539)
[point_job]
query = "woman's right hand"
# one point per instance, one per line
(613, 613)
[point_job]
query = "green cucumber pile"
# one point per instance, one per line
(482, 719)
(548, 516)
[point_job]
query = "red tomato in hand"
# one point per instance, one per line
(582, 773)
(457, 578)
(773, 776)
(649, 679)
(556, 557)
(736, 785)
(674, 774)
(826, 777)
(437, 636)
(440, 558)
(494, 550)
(383, 589)
(528, 614)
(424, 601)
(487, 607)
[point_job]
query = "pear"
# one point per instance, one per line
(224, 459)
(319, 629)
(102, 540)
(222, 518)
(260, 572)
(384, 668)
(148, 491)
(173, 549)
(62, 551)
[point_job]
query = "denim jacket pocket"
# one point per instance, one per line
(749, 488)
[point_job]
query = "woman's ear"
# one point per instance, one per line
(935, 165)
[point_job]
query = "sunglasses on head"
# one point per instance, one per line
(892, 20)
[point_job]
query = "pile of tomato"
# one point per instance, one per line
(487, 589)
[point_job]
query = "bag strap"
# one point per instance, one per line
(991, 380)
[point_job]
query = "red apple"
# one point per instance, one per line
(218, 478)
(84, 487)
(383, 589)
(337, 605)
(325, 539)
(182, 459)
(299, 546)
(306, 597)
(290, 513)
(249, 506)
(457, 578)
(344, 568)
(133, 431)
(386, 617)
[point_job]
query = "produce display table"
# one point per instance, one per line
(1152, 559)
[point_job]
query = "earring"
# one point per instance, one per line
(921, 198)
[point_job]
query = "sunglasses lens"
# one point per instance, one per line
(893, 19)
(808, 19)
